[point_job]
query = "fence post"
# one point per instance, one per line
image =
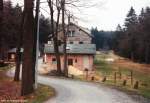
(131, 77)
(92, 78)
(115, 77)
(136, 85)
(104, 79)
(86, 73)
(120, 74)
(124, 82)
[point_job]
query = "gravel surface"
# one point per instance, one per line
(83, 92)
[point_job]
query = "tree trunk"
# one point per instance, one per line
(36, 28)
(55, 38)
(1, 26)
(147, 53)
(65, 37)
(1, 10)
(28, 41)
(57, 45)
(18, 51)
(18, 63)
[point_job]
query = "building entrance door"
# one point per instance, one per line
(70, 61)
(86, 62)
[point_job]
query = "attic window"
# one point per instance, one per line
(71, 33)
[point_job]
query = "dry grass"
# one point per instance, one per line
(144, 68)
(141, 73)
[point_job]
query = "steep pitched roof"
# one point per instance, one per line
(85, 30)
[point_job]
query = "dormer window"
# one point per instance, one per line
(71, 33)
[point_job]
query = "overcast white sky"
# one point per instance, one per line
(107, 14)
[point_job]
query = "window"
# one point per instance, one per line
(71, 42)
(71, 33)
(12, 56)
(68, 48)
(70, 61)
(81, 42)
(76, 61)
(54, 61)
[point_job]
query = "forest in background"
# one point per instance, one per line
(11, 24)
(132, 40)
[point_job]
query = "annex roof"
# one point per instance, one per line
(73, 49)
(13, 50)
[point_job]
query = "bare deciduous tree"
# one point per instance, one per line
(54, 30)
(18, 50)
(63, 3)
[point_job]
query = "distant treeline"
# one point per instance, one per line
(132, 40)
(102, 39)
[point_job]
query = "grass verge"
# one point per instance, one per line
(42, 94)
(10, 90)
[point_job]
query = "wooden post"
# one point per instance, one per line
(72, 76)
(124, 82)
(104, 79)
(120, 74)
(136, 85)
(131, 77)
(86, 73)
(92, 78)
(115, 77)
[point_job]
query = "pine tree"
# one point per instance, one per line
(131, 18)
(131, 22)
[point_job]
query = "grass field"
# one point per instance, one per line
(116, 74)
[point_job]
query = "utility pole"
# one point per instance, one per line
(36, 43)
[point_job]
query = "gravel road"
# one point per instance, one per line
(70, 91)
(83, 92)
